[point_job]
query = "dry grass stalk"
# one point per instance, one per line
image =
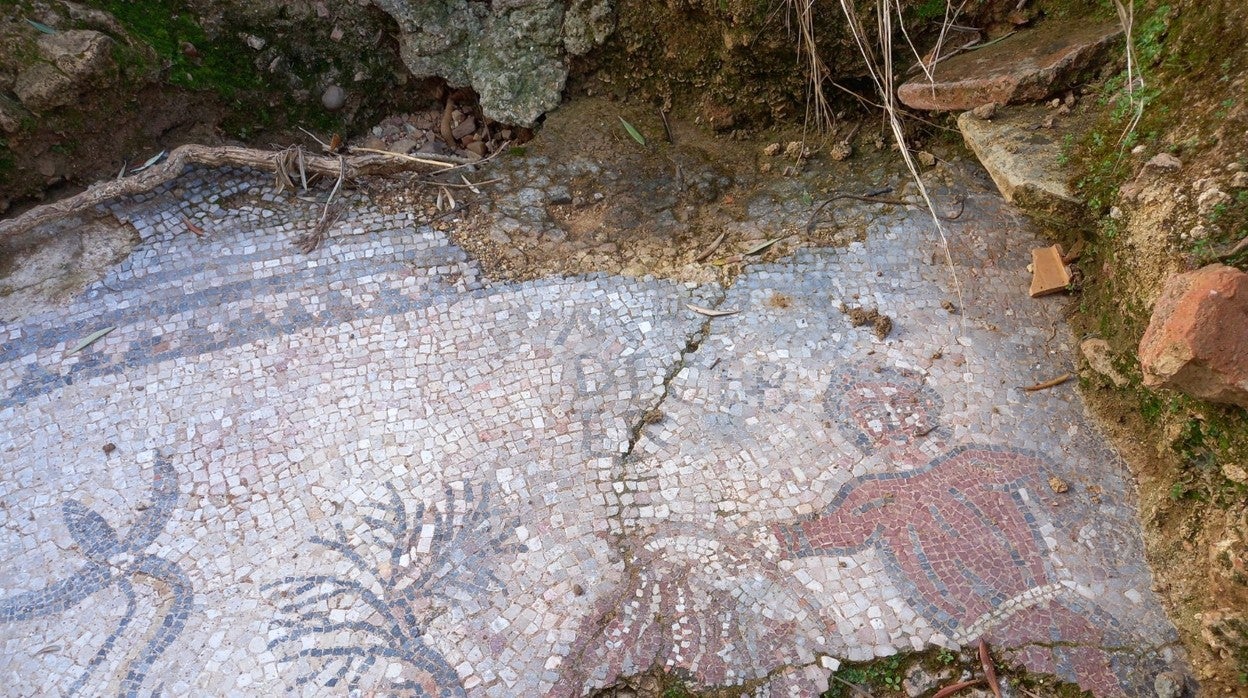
(882, 74)
(949, 21)
(817, 106)
(1135, 79)
(329, 215)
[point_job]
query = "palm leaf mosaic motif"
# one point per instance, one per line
(406, 570)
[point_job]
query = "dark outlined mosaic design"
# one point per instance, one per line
(117, 560)
(402, 567)
(878, 407)
(651, 474)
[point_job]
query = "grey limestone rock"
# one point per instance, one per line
(514, 53)
(72, 61)
(587, 24)
(1168, 684)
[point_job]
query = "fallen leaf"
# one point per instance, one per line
(199, 232)
(471, 187)
(91, 339)
(710, 312)
(48, 650)
(990, 669)
(633, 132)
(41, 26)
(150, 161)
(711, 250)
(760, 247)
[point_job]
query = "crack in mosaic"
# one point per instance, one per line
(603, 538)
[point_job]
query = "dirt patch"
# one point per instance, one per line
(187, 71)
(1194, 519)
(1190, 459)
(42, 269)
(903, 674)
(585, 196)
(47, 165)
(780, 301)
(880, 323)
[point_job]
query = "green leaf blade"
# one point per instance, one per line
(632, 131)
(40, 26)
(90, 339)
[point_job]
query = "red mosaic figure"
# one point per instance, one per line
(955, 533)
(958, 536)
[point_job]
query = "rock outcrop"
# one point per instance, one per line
(1197, 339)
(1024, 67)
(71, 62)
(513, 53)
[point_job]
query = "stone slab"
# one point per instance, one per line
(1024, 160)
(1027, 66)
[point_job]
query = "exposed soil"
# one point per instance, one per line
(585, 196)
(181, 71)
(738, 65)
(49, 163)
(905, 674)
(1188, 457)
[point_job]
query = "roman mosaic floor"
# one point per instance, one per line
(372, 470)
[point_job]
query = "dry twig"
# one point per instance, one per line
(442, 161)
(1048, 384)
(1240, 246)
(333, 209)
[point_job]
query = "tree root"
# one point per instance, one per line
(1240, 246)
(345, 166)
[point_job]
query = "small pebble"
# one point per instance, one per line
(333, 98)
